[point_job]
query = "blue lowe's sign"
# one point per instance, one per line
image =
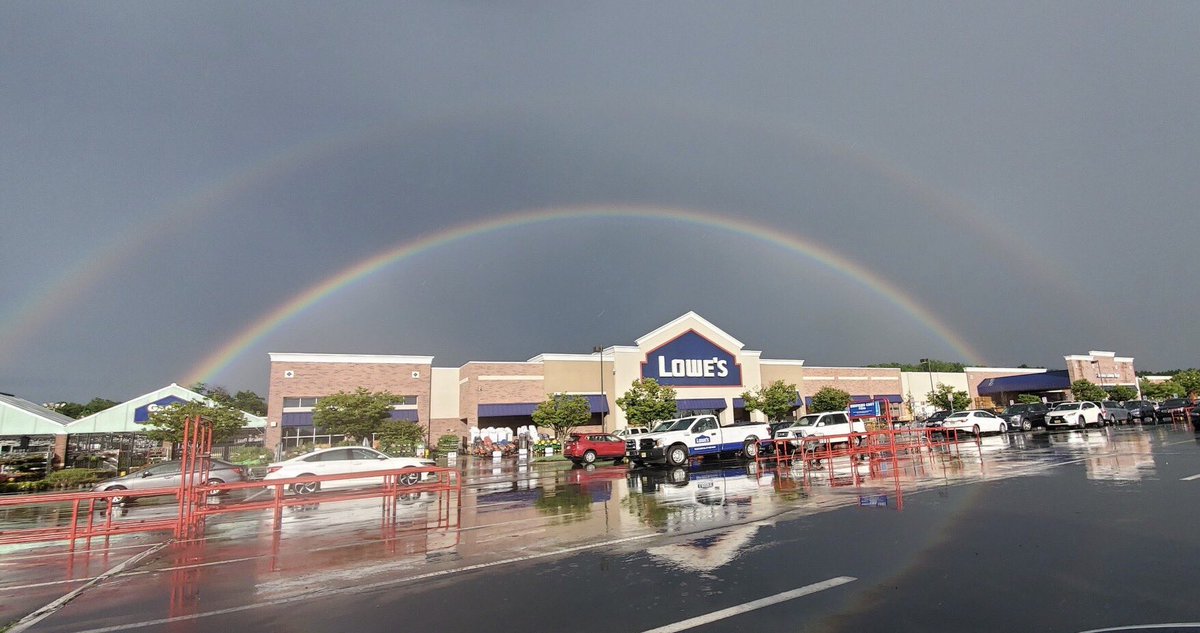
(142, 413)
(690, 360)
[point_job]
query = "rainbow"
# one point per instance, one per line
(226, 354)
(23, 319)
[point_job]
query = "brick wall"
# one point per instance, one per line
(322, 379)
(478, 389)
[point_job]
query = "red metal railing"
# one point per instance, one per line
(192, 495)
(869, 443)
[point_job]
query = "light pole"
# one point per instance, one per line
(598, 349)
(926, 362)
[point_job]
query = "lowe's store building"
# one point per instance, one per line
(707, 366)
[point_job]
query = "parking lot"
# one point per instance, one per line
(1064, 531)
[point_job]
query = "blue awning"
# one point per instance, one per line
(695, 404)
(597, 403)
(892, 398)
(503, 410)
(298, 419)
(305, 418)
(1042, 381)
(740, 403)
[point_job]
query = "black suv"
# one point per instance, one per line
(1140, 410)
(1025, 416)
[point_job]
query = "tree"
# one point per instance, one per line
(1160, 390)
(1028, 398)
(247, 401)
(774, 400)
(829, 399)
(76, 410)
(911, 403)
(932, 364)
(1084, 389)
(356, 415)
(944, 397)
(562, 412)
(399, 438)
(1122, 393)
(647, 401)
(166, 424)
(1189, 381)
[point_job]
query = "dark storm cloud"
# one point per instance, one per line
(1029, 172)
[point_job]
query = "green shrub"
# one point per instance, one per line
(299, 450)
(251, 456)
(71, 477)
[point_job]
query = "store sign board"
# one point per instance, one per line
(690, 360)
(865, 410)
(142, 414)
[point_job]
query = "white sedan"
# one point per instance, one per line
(341, 460)
(975, 421)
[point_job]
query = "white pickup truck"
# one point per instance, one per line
(821, 425)
(678, 440)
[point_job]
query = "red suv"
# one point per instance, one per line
(586, 449)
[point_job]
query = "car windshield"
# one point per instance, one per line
(1175, 402)
(1068, 406)
(1016, 408)
(680, 425)
(958, 416)
(807, 420)
(662, 426)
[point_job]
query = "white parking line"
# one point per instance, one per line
(753, 605)
(27, 622)
(368, 587)
(1190, 478)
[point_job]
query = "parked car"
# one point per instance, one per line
(1140, 410)
(1114, 412)
(976, 421)
(1025, 417)
(830, 423)
(629, 432)
(1172, 404)
(341, 460)
(169, 475)
(937, 418)
(1075, 415)
(586, 448)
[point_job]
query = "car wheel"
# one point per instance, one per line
(214, 482)
(116, 500)
(590, 457)
(306, 488)
(1026, 425)
(408, 479)
(750, 448)
(677, 455)
(1003, 428)
(975, 430)
(1082, 422)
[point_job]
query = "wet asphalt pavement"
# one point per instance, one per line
(1066, 531)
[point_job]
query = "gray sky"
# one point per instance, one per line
(172, 172)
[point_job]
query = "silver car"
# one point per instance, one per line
(168, 475)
